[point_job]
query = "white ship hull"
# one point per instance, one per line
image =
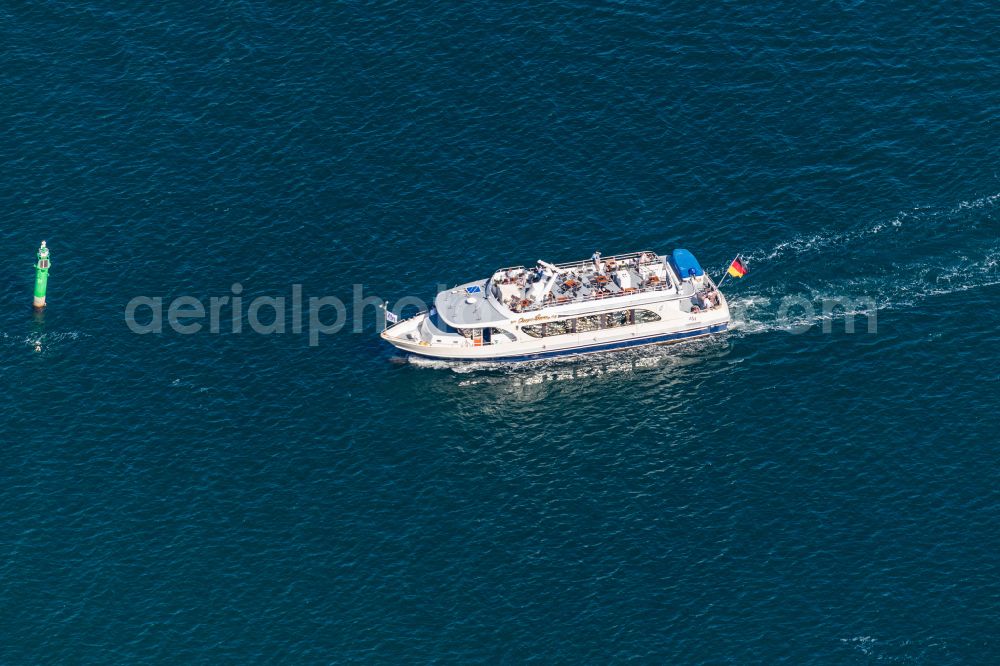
(473, 322)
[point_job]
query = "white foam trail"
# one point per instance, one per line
(821, 241)
(919, 281)
(826, 240)
(865, 644)
(45, 339)
(981, 202)
(911, 282)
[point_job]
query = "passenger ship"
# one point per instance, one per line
(522, 314)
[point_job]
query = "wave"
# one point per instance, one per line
(46, 339)
(981, 202)
(946, 253)
(916, 218)
(777, 307)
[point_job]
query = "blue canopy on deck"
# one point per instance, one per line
(684, 262)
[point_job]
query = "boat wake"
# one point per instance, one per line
(768, 309)
(945, 251)
(961, 218)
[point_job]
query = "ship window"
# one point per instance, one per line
(617, 318)
(559, 327)
(500, 334)
(588, 323)
(535, 331)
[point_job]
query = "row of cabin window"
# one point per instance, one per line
(591, 323)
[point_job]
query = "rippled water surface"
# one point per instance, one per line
(781, 494)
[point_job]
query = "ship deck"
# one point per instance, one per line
(525, 290)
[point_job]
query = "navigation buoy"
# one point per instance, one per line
(41, 276)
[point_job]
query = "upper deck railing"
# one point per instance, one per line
(646, 257)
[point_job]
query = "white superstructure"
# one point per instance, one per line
(580, 307)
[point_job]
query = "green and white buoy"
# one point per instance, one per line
(41, 276)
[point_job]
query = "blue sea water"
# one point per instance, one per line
(779, 494)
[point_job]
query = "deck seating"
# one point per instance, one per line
(581, 281)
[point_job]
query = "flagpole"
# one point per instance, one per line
(719, 286)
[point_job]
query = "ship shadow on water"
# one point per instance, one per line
(662, 364)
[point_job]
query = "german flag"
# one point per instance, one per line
(737, 269)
